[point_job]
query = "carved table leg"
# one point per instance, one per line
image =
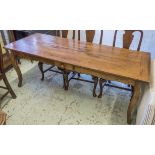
(17, 69)
(101, 87)
(40, 65)
(95, 85)
(65, 78)
(134, 101)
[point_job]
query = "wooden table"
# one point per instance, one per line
(106, 62)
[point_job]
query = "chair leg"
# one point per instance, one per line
(78, 75)
(101, 87)
(8, 86)
(4, 122)
(40, 65)
(95, 85)
(2, 118)
(18, 59)
(65, 79)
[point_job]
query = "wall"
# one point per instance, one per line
(148, 42)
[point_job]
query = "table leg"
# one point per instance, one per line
(17, 69)
(134, 101)
(101, 81)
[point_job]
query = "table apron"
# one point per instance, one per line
(79, 69)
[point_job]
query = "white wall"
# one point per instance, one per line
(148, 42)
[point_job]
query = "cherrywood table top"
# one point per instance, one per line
(106, 59)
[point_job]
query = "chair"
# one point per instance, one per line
(89, 38)
(2, 118)
(128, 37)
(10, 35)
(12, 38)
(63, 34)
(5, 65)
(10, 60)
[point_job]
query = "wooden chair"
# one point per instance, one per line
(5, 65)
(63, 34)
(128, 37)
(2, 118)
(10, 35)
(10, 60)
(89, 38)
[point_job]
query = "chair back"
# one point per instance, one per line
(89, 34)
(101, 37)
(128, 38)
(1, 60)
(3, 40)
(64, 34)
(6, 38)
(11, 36)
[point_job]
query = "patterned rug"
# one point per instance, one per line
(47, 102)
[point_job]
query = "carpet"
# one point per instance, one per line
(46, 102)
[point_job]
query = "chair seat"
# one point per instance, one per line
(2, 118)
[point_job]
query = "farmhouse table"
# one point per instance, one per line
(106, 62)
